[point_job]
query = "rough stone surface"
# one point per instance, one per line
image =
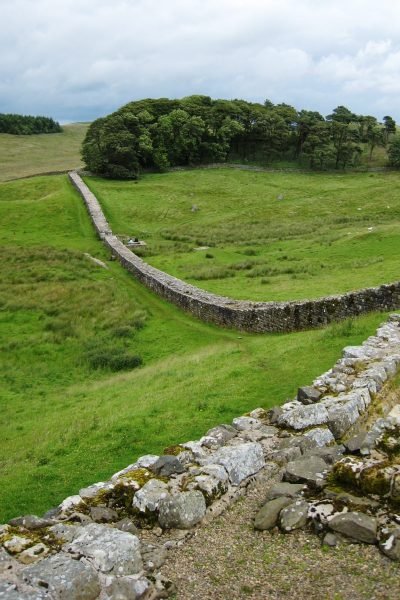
(308, 394)
(31, 522)
(389, 543)
(240, 461)
(110, 550)
(182, 511)
(288, 490)
(355, 525)
(167, 465)
(149, 496)
(310, 470)
(293, 516)
(127, 588)
(64, 578)
(321, 435)
(268, 516)
(302, 417)
(33, 554)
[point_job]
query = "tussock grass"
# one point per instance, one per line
(331, 233)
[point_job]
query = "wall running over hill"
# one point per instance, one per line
(245, 315)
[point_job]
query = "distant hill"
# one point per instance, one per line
(22, 156)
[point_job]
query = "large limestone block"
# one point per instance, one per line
(240, 461)
(64, 578)
(311, 470)
(301, 417)
(182, 511)
(110, 550)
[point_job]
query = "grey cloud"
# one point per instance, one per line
(81, 59)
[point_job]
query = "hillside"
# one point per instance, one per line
(22, 156)
(67, 420)
(262, 235)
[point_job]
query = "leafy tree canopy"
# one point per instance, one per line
(162, 133)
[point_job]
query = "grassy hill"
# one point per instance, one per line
(25, 155)
(67, 418)
(263, 235)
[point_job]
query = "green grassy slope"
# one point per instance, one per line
(270, 236)
(25, 155)
(64, 424)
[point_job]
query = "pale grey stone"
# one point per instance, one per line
(64, 578)
(127, 588)
(100, 514)
(355, 525)
(355, 443)
(90, 492)
(110, 550)
(302, 417)
(148, 497)
(285, 455)
(294, 516)
(259, 413)
(70, 504)
(17, 544)
(153, 556)
(222, 433)
(240, 461)
(243, 423)
(267, 517)
(329, 540)
(321, 435)
(342, 417)
(7, 563)
(182, 511)
(311, 470)
(126, 525)
(394, 414)
(144, 462)
(389, 542)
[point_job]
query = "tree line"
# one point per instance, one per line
(27, 125)
(162, 133)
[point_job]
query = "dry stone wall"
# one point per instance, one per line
(243, 315)
(109, 541)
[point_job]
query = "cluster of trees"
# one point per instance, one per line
(160, 133)
(27, 125)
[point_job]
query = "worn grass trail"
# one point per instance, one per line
(263, 236)
(67, 418)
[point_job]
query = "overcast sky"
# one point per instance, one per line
(80, 59)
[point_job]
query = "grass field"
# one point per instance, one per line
(67, 416)
(25, 155)
(263, 236)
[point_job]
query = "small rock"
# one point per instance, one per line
(126, 525)
(153, 556)
(244, 423)
(389, 543)
(33, 554)
(103, 515)
(31, 522)
(294, 516)
(321, 436)
(17, 544)
(356, 525)
(355, 443)
(329, 539)
(182, 511)
(167, 465)
(267, 517)
(128, 588)
(92, 491)
(308, 394)
(395, 414)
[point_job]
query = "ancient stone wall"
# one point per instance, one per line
(245, 315)
(110, 540)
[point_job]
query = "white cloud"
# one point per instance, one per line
(80, 59)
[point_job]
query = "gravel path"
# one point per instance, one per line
(227, 560)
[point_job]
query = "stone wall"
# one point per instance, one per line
(245, 315)
(110, 540)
